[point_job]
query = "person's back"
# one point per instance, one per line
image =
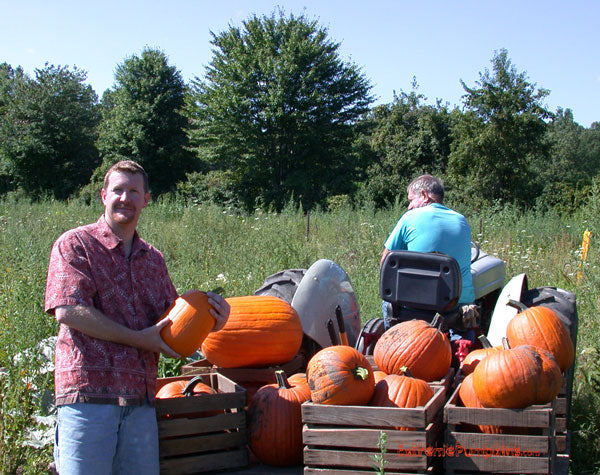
(436, 228)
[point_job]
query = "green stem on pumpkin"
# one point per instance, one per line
(505, 344)
(361, 373)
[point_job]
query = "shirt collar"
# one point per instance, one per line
(110, 240)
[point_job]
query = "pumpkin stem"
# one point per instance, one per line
(189, 387)
(505, 344)
(484, 341)
(406, 371)
(516, 304)
(437, 321)
(282, 381)
(361, 373)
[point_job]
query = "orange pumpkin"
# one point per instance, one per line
(551, 377)
(298, 378)
(540, 326)
(275, 421)
(191, 322)
(186, 388)
(261, 330)
(509, 378)
(468, 398)
(401, 391)
(416, 344)
(472, 359)
(379, 375)
(340, 375)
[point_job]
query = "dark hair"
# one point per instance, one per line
(128, 166)
(432, 185)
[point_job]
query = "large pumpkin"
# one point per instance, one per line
(509, 378)
(275, 421)
(468, 398)
(340, 375)
(191, 322)
(540, 326)
(261, 330)
(417, 345)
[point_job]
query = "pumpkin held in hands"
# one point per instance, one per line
(261, 330)
(191, 322)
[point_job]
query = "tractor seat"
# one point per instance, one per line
(421, 284)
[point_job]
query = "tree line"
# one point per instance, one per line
(278, 116)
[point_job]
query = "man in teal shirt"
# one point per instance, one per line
(430, 226)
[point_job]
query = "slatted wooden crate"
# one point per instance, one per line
(190, 442)
(527, 447)
(250, 378)
(343, 439)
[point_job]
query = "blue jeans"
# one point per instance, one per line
(101, 439)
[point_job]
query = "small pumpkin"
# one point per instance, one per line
(509, 378)
(191, 322)
(261, 330)
(540, 326)
(472, 359)
(340, 375)
(186, 388)
(275, 421)
(417, 345)
(551, 377)
(378, 375)
(298, 378)
(404, 390)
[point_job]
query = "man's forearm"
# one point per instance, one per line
(96, 324)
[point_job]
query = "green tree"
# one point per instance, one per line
(142, 120)
(500, 137)
(567, 174)
(48, 130)
(277, 108)
(407, 138)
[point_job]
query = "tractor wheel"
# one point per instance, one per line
(283, 284)
(564, 304)
(369, 334)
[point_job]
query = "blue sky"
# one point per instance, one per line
(439, 42)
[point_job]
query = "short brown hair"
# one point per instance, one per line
(432, 185)
(128, 166)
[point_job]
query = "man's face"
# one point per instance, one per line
(124, 198)
(417, 199)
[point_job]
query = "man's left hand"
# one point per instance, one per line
(220, 310)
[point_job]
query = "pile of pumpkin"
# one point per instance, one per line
(408, 355)
(526, 370)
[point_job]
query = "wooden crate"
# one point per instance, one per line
(249, 378)
(343, 439)
(200, 443)
(528, 447)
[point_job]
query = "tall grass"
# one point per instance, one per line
(207, 247)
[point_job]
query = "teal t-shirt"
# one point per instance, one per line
(437, 228)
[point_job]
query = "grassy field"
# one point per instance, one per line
(206, 247)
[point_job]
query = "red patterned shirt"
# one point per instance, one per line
(88, 267)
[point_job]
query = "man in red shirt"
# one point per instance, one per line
(108, 288)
